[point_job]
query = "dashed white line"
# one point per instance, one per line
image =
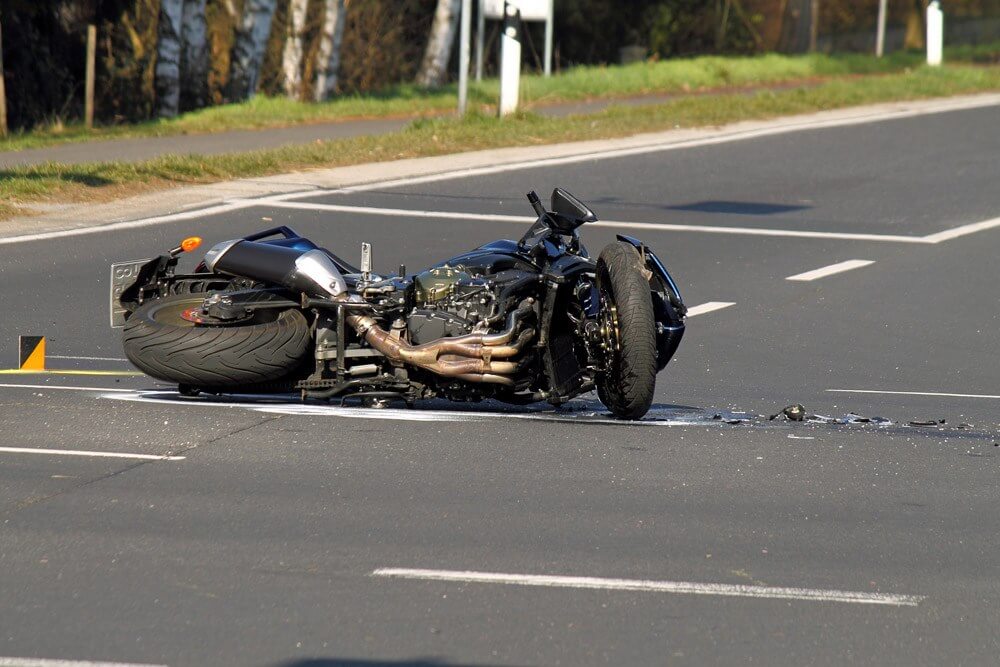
(831, 270)
(709, 307)
(912, 393)
(76, 452)
(43, 662)
(684, 587)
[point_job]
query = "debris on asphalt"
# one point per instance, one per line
(795, 412)
(733, 417)
(927, 422)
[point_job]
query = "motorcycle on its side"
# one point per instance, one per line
(517, 321)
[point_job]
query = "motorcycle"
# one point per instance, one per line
(517, 321)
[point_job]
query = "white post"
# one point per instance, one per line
(548, 40)
(463, 57)
(510, 60)
(935, 33)
(480, 36)
(880, 35)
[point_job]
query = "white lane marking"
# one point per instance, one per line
(526, 220)
(131, 224)
(912, 393)
(43, 662)
(686, 587)
(576, 412)
(61, 356)
(831, 270)
(780, 126)
(63, 388)
(77, 452)
(709, 307)
(964, 230)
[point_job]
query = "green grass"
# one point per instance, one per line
(673, 76)
(22, 185)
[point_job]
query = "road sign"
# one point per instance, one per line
(531, 10)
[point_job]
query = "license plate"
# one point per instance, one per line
(123, 276)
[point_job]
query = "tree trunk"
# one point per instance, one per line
(168, 59)
(915, 29)
(433, 68)
(3, 92)
(248, 50)
(291, 61)
(194, 56)
(328, 57)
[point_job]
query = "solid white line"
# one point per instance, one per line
(131, 224)
(730, 590)
(62, 388)
(831, 270)
(526, 220)
(76, 452)
(709, 307)
(964, 230)
(912, 393)
(42, 662)
(782, 127)
(59, 356)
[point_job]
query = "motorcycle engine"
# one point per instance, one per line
(448, 302)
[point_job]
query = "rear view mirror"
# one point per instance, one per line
(569, 212)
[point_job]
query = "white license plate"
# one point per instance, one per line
(123, 276)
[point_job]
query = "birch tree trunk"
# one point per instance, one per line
(291, 61)
(248, 50)
(328, 57)
(168, 59)
(194, 56)
(433, 68)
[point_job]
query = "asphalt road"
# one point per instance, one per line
(263, 544)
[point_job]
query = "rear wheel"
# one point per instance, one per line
(161, 339)
(628, 331)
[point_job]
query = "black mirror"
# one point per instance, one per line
(569, 211)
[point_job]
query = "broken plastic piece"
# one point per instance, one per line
(928, 422)
(795, 412)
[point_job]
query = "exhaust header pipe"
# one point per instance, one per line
(309, 271)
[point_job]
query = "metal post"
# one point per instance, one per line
(88, 103)
(548, 40)
(510, 60)
(880, 35)
(463, 57)
(480, 36)
(935, 33)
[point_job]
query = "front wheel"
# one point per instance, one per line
(628, 332)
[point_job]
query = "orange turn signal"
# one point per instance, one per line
(190, 243)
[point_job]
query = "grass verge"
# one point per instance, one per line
(672, 76)
(21, 186)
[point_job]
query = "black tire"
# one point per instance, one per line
(627, 386)
(164, 345)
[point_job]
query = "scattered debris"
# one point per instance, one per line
(927, 422)
(795, 412)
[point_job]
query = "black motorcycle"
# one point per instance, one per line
(520, 322)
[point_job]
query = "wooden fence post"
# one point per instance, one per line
(88, 105)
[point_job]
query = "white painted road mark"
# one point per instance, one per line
(831, 270)
(63, 388)
(616, 224)
(43, 662)
(60, 356)
(131, 224)
(964, 230)
(76, 452)
(684, 587)
(912, 393)
(709, 307)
